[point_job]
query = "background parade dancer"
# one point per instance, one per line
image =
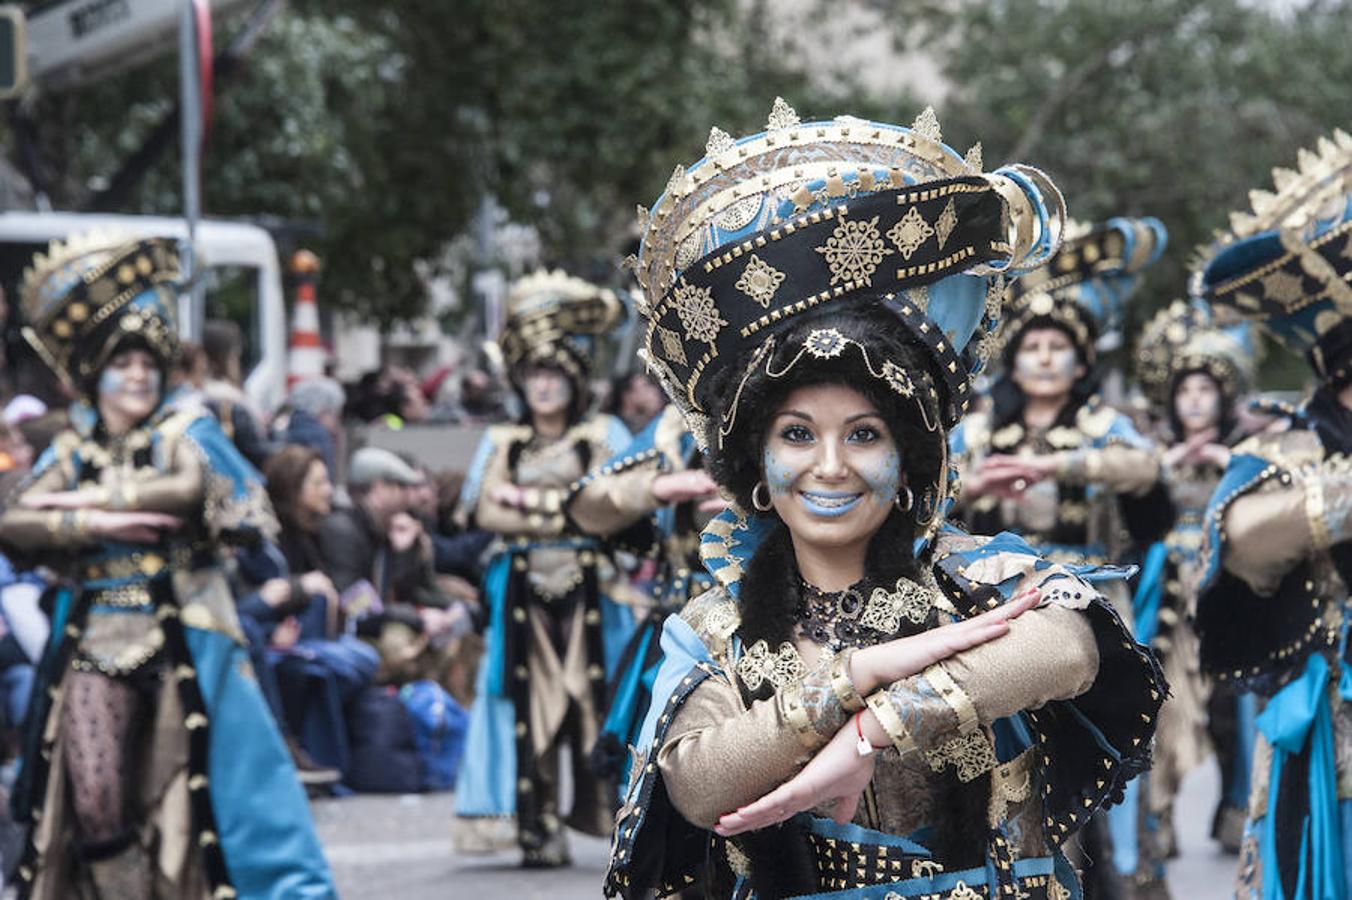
(553, 632)
(1194, 374)
(815, 728)
(153, 767)
(655, 497)
(1272, 611)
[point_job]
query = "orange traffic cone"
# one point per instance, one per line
(306, 356)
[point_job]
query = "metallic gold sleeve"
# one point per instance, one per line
(1049, 654)
(493, 516)
(719, 755)
(40, 529)
(612, 502)
(1117, 467)
(178, 492)
(1267, 533)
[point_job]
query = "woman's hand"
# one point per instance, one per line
(512, 496)
(678, 487)
(882, 664)
(131, 527)
(285, 635)
(317, 582)
(85, 498)
(1190, 450)
(1008, 476)
(836, 775)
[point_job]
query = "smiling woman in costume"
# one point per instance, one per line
(869, 703)
(152, 764)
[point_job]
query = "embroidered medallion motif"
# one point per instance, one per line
(910, 232)
(947, 221)
(825, 343)
(854, 250)
(671, 345)
(898, 379)
(971, 754)
(962, 892)
(1285, 288)
(699, 316)
(758, 665)
(760, 280)
(885, 611)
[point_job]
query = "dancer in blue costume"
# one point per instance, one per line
(658, 481)
(554, 631)
(1273, 608)
(1049, 460)
(1194, 373)
(153, 767)
(851, 712)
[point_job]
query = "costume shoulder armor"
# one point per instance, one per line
(713, 616)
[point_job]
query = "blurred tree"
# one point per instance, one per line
(1172, 108)
(388, 123)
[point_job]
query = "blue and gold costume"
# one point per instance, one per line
(215, 809)
(617, 499)
(1272, 610)
(1045, 725)
(1108, 472)
(554, 631)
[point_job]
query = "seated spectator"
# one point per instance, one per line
(191, 369)
(312, 417)
(223, 390)
(376, 540)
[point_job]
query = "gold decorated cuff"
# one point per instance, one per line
(795, 713)
(1315, 508)
(954, 696)
(842, 684)
(887, 716)
(1072, 466)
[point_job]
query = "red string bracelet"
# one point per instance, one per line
(864, 746)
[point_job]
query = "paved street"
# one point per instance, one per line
(384, 847)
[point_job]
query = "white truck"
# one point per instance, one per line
(240, 269)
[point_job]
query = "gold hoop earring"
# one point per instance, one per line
(755, 497)
(896, 501)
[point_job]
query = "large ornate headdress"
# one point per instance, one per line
(809, 214)
(1286, 264)
(1085, 285)
(1184, 337)
(556, 319)
(85, 295)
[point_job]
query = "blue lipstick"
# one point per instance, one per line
(829, 504)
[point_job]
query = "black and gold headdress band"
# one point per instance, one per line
(84, 295)
(554, 319)
(808, 214)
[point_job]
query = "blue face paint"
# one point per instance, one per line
(884, 478)
(114, 381)
(778, 477)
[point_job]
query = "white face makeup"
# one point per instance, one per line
(548, 392)
(831, 465)
(129, 386)
(1046, 365)
(1197, 403)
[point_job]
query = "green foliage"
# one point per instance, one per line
(1171, 108)
(387, 124)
